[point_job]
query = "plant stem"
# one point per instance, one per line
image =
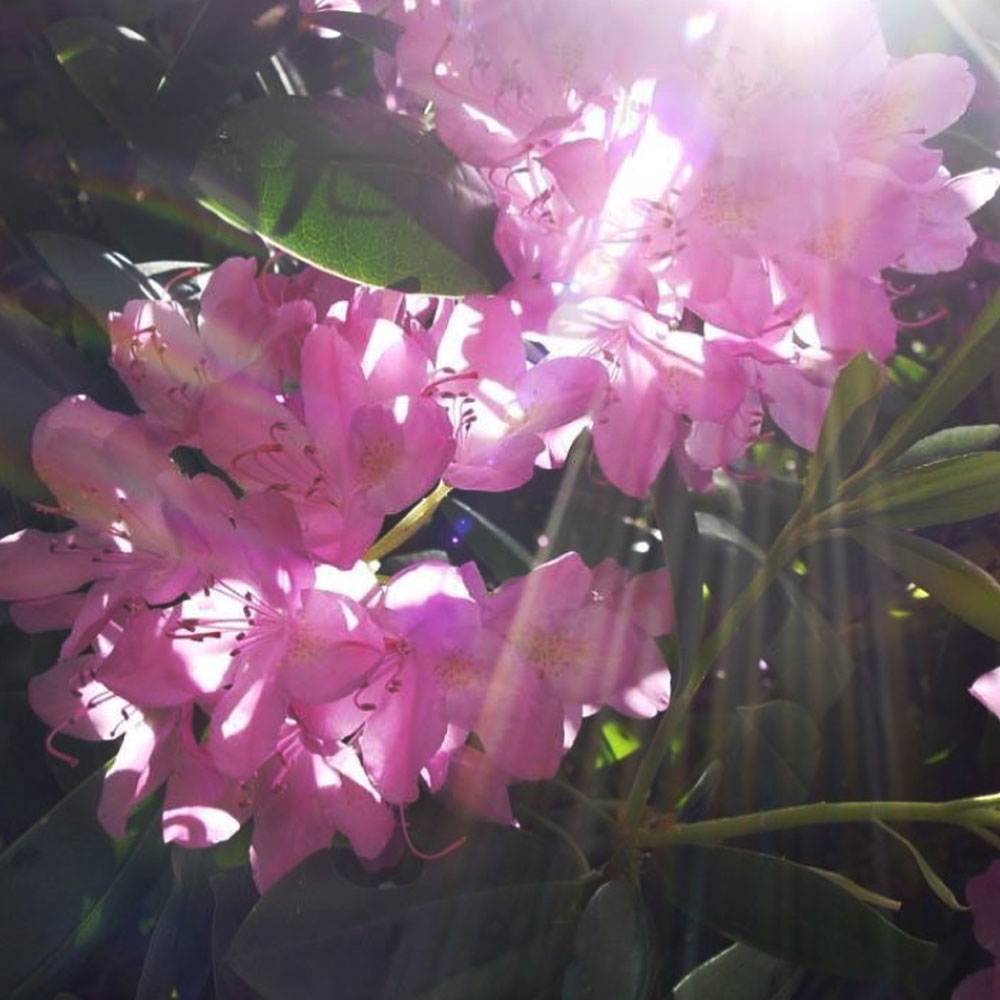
(408, 525)
(962, 812)
(788, 542)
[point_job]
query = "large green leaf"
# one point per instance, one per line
(611, 951)
(354, 190)
(738, 973)
(850, 417)
(66, 884)
(790, 911)
(966, 590)
(493, 919)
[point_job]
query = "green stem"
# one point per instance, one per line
(408, 525)
(969, 813)
(788, 542)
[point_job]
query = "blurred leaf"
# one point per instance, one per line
(675, 517)
(789, 911)
(970, 361)
(66, 884)
(948, 443)
(354, 190)
(850, 417)
(738, 973)
(378, 32)
(807, 655)
(499, 552)
(494, 918)
(967, 591)
(114, 68)
(611, 950)
(227, 43)
(235, 895)
(37, 369)
(179, 959)
(774, 756)
(953, 489)
(100, 280)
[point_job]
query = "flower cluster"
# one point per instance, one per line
(700, 196)
(235, 638)
(696, 204)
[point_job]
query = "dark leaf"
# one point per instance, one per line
(738, 973)
(611, 950)
(971, 361)
(37, 369)
(967, 591)
(101, 280)
(954, 489)
(114, 68)
(227, 43)
(179, 959)
(235, 896)
(675, 517)
(494, 919)
(66, 884)
(500, 553)
(789, 911)
(355, 190)
(774, 754)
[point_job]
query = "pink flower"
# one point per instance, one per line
(983, 895)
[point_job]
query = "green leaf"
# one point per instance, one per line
(675, 517)
(355, 190)
(775, 754)
(969, 362)
(953, 489)
(966, 590)
(611, 949)
(789, 911)
(494, 918)
(503, 555)
(378, 32)
(178, 960)
(847, 426)
(948, 443)
(934, 881)
(227, 43)
(66, 884)
(114, 68)
(738, 973)
(235, 896)
(101, 280)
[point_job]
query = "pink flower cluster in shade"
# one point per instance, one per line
(234, 638)
(699, 196)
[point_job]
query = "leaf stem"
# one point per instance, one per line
(408, 525)
(972, 814)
